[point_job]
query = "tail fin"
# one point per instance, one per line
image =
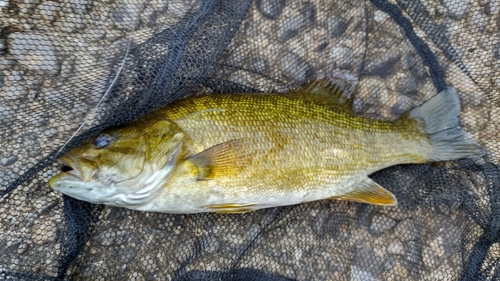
(439, 118)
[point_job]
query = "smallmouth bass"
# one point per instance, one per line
(234, 153)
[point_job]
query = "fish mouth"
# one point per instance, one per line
(70, 166)
(69, 171)
(79, 168)
(66, 168)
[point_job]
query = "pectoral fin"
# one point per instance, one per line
(223, 159)
(231, 208)
(370, 192)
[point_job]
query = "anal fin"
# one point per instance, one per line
(369, 192)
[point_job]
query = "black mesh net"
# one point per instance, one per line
(69, 69)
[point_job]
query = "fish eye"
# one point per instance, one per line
(102, 140)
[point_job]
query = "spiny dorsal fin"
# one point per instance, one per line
(324, 91)
(222, 159)
(370, 192)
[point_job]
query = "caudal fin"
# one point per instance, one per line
(439, 117)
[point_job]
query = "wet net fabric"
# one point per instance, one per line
(68, 69)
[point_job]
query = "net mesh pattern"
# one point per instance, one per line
(69, 69)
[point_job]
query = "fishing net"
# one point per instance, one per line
(68, 69)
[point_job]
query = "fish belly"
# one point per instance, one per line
(191, 196)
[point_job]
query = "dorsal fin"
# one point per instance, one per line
(325, 92)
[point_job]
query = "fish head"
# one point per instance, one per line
(122, 166)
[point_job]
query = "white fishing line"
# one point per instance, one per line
(100, 101)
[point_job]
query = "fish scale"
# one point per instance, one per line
(233, 153)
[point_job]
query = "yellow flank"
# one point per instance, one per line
(296, 143)
(283, 121)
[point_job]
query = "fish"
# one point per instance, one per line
(236, 153)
